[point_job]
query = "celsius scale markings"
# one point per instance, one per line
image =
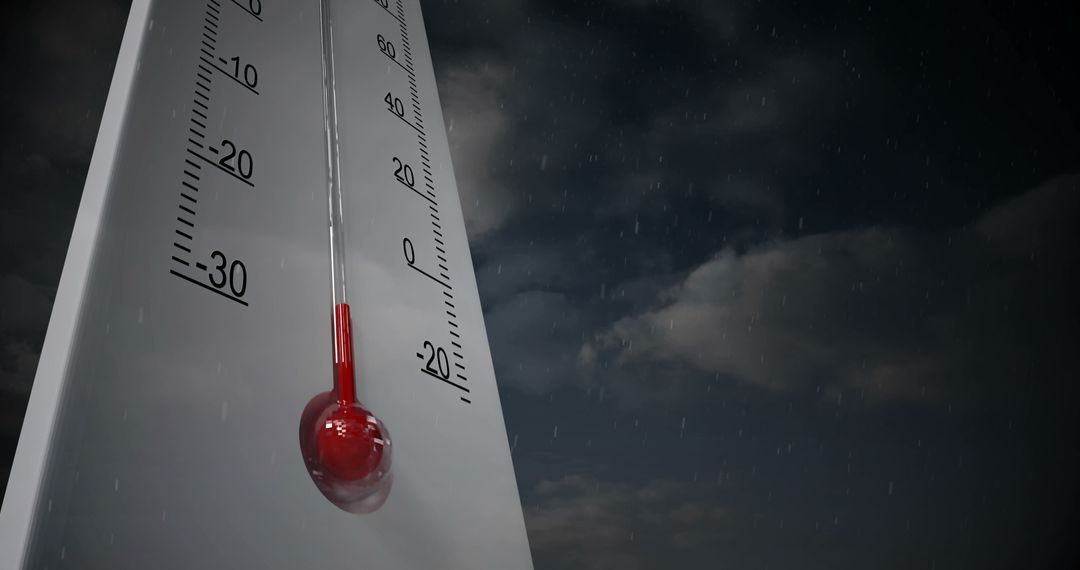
(225, 277)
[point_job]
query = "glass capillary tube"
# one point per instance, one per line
(346, 449)
(344, 379)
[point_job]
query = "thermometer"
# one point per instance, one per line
(189, 334)
(346, 448)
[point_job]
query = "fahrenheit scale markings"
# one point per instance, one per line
(436, 361)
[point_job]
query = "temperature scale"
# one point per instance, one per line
(197, 319)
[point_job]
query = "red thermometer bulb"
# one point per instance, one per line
(346, 448)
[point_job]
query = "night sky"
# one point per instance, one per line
(767, 285)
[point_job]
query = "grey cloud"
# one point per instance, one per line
(758, 129)
(541, 303)
(505, 274)
(1043, 220)
(532, 336)
(577, 134)
(885, 312)
(477, 124)
(583, 522)
(553, 111)
(550, 110)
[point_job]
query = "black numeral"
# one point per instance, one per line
(246, 73)
(386, 46)
(438, 363)
(243, 164)
(394, 105)
(232, 274)
(404, 173)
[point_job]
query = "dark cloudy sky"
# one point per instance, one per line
(767, 285)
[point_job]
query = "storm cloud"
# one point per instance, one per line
(885, 313)
(725, 243)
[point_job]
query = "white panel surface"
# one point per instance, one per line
(162, 429)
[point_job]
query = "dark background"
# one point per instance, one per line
(767, 285)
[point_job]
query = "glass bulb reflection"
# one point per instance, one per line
(347, 452)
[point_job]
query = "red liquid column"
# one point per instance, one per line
(345, 447)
